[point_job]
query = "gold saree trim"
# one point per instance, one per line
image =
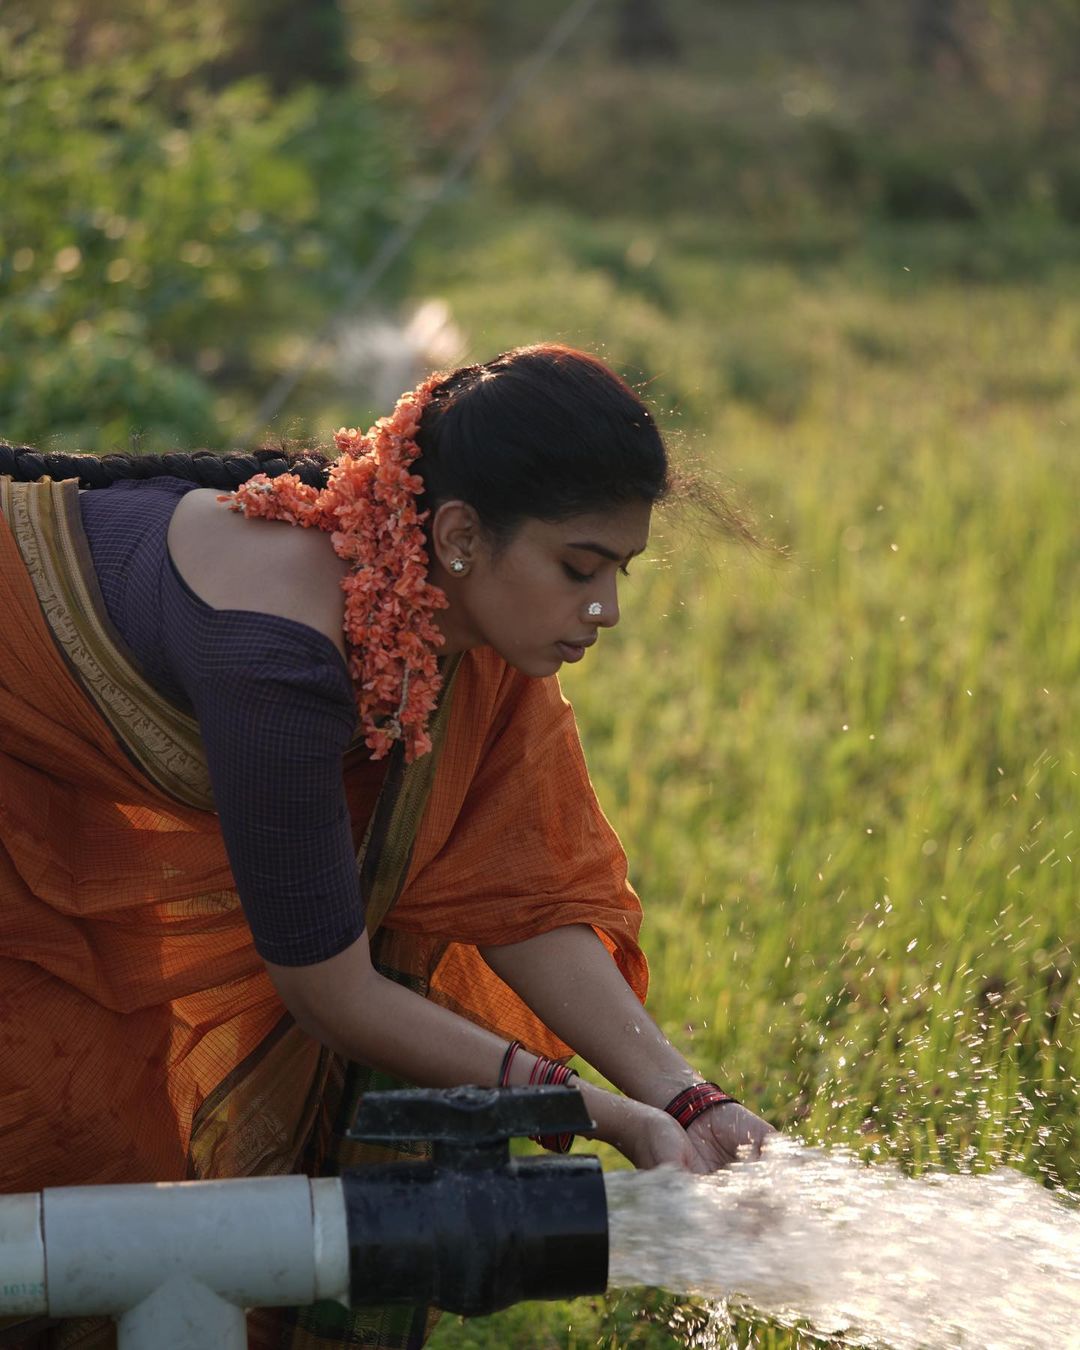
(386, 852)
(163, 741)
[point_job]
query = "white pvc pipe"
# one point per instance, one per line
(331, 1239)
(176, 1263)
(22, 1257)
(109, 1247)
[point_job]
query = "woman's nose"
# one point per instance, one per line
(608, 600)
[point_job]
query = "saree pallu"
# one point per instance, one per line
(140, 1037)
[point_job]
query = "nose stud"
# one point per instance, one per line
(595, 610)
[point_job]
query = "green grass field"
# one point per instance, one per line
(847, 779)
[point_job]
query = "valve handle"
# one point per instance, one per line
(469, 1115)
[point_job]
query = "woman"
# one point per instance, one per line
(194, 960)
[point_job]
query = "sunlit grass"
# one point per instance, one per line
(848, 781)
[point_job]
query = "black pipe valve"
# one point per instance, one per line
(474, 1230)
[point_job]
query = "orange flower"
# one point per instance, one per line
(369, 509)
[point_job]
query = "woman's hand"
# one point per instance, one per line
(649, 1137)
(720, 1132)
(656, 1139)
(657, 1144)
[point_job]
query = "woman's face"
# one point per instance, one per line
(534, 599)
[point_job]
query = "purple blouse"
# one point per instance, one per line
(276, 712)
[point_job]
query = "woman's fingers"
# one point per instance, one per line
(722, 1131)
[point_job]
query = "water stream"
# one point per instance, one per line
(819, 1240)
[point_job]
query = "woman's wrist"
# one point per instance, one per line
(637, 1128)
(618, 1119)
(695, 1100)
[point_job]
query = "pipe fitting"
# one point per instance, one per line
(473, 1231)
(22, 1257)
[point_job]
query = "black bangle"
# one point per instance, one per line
(507, 1059)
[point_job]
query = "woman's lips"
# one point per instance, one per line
(573, 651)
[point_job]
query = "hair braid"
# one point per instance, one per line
(209, 469)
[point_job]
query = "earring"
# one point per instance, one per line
(595, 610)
(458, 566)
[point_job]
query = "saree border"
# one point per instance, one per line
(163, 742)
(386, 851)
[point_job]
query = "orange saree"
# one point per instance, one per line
(140, 1038)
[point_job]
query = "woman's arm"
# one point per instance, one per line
(571, 983)
(568, 979)
(346, 1004)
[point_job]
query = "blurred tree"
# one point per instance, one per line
(289, 44)
(936, 40)
(644, 33)
(163, 240)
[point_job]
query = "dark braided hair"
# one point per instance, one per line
(543, 432)
(205, 467)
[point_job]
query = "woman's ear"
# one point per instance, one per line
(455, 536)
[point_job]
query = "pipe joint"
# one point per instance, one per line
(473, 1230)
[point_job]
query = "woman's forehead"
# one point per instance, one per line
(618, 533)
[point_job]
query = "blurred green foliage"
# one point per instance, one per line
(192, 189)
(776, 112)
(164, 231)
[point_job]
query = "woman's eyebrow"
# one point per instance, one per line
(607, 552)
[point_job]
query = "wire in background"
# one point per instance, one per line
(396, 242)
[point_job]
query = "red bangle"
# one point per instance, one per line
(546, 1071)
(554, 1143)
(543, 1071)
(691, 1102)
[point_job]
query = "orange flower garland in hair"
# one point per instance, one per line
(369, 509)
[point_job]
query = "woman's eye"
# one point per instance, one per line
(574, 574)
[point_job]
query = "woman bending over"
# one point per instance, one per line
(291, 799)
